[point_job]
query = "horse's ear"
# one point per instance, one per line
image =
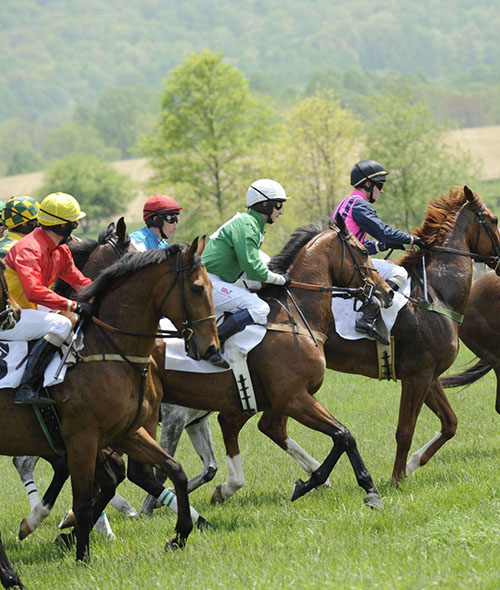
(193, 249)
(340, 222)
(201, 244)
(121, 229)
(111, 228)
(469, 194)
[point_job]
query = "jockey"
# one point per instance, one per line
(161, 214)
(33, 264)
(233, 250)
(2, 226)
(367, 178)
(19, 216)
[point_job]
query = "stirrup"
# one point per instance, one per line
(30, 397)
(217, 360)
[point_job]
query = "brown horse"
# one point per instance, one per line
(105, 403)
(457, 227)
(288, 368)
(480, 332)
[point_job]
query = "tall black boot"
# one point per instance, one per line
(31, 383)
(368, 322)
(231, 325)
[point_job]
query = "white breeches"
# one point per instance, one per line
(229, 297)
(389, 270)
(36, 323)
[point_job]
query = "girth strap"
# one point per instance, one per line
(104, 356)
(295, 329)
(453, 315)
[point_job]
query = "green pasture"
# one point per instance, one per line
(440, 528)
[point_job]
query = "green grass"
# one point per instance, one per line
(440, 528)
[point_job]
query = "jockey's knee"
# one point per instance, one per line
(259, 313)
(60, 329)
(398, 278)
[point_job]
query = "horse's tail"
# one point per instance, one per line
(467, 377)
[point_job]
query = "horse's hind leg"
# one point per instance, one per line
(308, 411)
(230, 425)
(25, 466)
(8, 575)
(273, 425)
(437, 401)
(43, 508)
(143, 448)
(201, 439)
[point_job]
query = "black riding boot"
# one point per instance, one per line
(31, 383)
(231, 325)
(368, 322)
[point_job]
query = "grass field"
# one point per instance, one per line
(440, 528)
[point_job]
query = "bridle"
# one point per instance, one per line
(8, 315)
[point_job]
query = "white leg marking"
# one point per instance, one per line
(38, 514)
(414, 462)
(235, 477)
(308, 463)
(103, 527)
(122, 505)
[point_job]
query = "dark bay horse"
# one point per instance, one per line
(105, 403)
(288, 369)
(426, 342)
(480, 332)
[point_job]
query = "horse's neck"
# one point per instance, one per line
(450, 275)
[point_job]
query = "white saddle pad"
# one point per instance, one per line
(11, 354)
(176, 358)
(345, 316)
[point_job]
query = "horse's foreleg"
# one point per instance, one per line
(437, 401)
(25, 466)
(43, 508)
(230, 425)
(201, 439)
(8, 575)
(414, 390)
(143, 448)
(273, 425)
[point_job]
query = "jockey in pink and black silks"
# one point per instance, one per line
(367, 179)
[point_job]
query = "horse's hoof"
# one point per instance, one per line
(65, 541)
(131, 512)
(298, 490)
(10, 579)
(217, 497)
(175, 544)
(203, 525)
(68, 520)
(24, 529)
(373, 500)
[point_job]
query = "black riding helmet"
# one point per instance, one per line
(367, 170)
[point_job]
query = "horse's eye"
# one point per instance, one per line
(197, 289)
(364, 253)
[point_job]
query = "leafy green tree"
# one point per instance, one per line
(101, 191)
(74, 138)
(22, 160)
(209, 127)
(403, 136)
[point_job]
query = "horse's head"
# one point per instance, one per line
(188, 302)
(113, 243)
(10, 312)
(350, 266)
(482, 236)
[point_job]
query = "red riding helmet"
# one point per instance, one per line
(159, 204)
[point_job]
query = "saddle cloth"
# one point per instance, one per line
(12, 353)
(345, 316)
(176, 358)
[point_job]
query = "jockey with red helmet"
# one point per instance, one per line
(161, 214)
(368, 178)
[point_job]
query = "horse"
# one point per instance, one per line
(288, 366)
(458, 228)
(480, 332)
(104, 403)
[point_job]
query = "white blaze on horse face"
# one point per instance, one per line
(235, 477)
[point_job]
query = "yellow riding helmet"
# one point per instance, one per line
(59, 208)
(19, 210)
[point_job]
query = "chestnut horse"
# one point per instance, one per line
(105, 403)
(480, 332)
(457, 229)
(288, 368)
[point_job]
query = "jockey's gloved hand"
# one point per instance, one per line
(273, 278)
(391, 247)
(419, 242)
(84, 309)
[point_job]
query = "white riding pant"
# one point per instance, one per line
(230, 297)
(37, 323)
(390, 270)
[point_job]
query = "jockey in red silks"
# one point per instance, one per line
(368, 178)
(33, 264)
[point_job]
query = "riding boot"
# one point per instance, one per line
(368, 322)
(231, 325)
(29, 390)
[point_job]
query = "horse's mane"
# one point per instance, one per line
(439, 221)
(300, 237)
(129, 264)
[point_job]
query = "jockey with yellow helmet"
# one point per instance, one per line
(19, 217)
(161, 214)
(234, 250)
(33, 264)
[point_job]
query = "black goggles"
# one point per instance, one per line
(171, 217)
(379, 185)
(277, 204)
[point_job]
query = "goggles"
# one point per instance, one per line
(171, 217)
(278, 204)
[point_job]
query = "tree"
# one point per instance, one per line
(76, 139)
(209, 127)
(403, 136)
(101, 191)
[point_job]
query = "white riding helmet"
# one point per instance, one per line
(265, 189)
